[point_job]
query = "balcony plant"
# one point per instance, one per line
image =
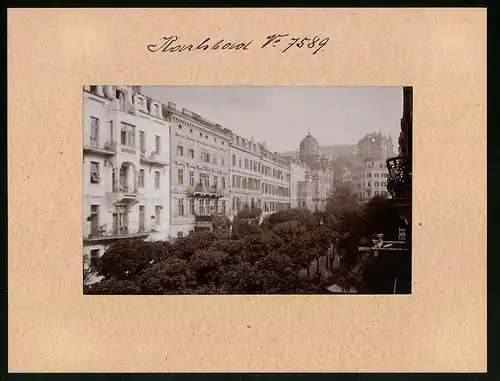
(399, 179)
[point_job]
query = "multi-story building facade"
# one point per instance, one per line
(125, 168)
(322, 172)
(370, 179)
(374, 146)
(301, 186)
(245, 173)
(275, 185)
(199, 170)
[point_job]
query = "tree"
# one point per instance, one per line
(112, 286)
(221, 224)
(128, 258)
(208, 266)
(185, 247)
(170, 276)
(380, 216)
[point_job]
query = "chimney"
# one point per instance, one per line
(172, 105)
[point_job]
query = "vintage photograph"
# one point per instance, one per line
(247, 190)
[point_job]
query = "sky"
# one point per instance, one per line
(282, 116)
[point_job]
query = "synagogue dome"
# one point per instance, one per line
(309, 145)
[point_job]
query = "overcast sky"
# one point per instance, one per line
(282, 116)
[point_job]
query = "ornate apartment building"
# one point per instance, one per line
(125, 168)
(275, 187)
(321, 170)
(369, 179)
(245, 173)
(199, 170)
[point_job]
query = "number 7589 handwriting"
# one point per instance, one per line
(299, 42)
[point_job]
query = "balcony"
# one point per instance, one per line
(151, 158)
(97, 146)
(400, 178)
(203, 218)
(204, 191)
(111, 231)
(123, 195)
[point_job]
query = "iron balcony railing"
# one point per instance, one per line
(120, 188)
(111, 230)
(203, 190)
(400, 177)
(91, 142)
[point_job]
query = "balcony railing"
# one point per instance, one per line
(120, 188)
(203, 218)
(99, 145)
(151, 157)
(400, 177)
(204, 191)
(110, 230)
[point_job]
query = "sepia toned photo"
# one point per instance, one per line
(247, 190)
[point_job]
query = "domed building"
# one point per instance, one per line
(309, 149)
(321, 172)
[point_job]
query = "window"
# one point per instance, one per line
(215, 181)
(191, 154)
(180, 176)
(240, 163)
(180, 127)
(94, 257)
(223, 184)
(128, 135)
(234, 160)
(180, 151)
(222, 161)
(368, 175)
(94, 219)
(180, 207)
(205, 157)
(376, 184)
(141, 217)
(93, 89)
(190, 130)
(207, 207)
(191, 206)
(141, 178)
(94, 173)
(205, 179)
(94, 130)
(200, 208)
(216, 206)
(111, 132)
(246, 163)
(157, 180)
(157, 145)
(180, 234)
(142, 141)
(155, 110)
(223, 207)
(191, 178)
(369, 184)
(157, 214)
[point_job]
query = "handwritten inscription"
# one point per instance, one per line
(283, 42)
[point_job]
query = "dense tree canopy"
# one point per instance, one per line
(256, 258)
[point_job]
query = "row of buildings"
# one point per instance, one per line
(154, 171)
(361, 168)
